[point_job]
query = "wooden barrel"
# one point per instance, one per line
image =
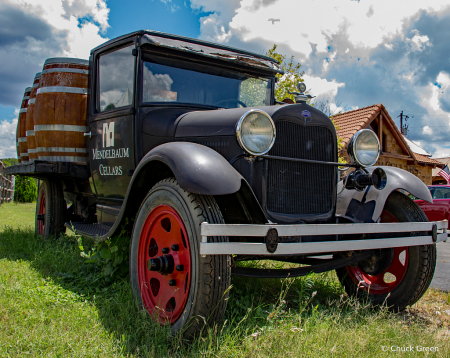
(29, 126)
(60, 114)
(22, 147)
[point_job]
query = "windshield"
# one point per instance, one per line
(204, 85)
(440, 192)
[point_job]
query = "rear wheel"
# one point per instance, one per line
(168, 277)
(50, 209)
(398, 276)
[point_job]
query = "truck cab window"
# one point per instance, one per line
(182, 83)
(115, 76)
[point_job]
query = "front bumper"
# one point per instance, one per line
(430, 233)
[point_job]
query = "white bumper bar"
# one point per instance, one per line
(438, 233)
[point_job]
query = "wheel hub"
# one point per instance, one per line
(163, 264)
(378, 262)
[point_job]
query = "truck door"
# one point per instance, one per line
(111, 123)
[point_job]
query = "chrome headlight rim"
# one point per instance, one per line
(352, 148)
(239, 134)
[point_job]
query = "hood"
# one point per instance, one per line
(222, 122)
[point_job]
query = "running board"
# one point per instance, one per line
(436, 232)
(86, 229)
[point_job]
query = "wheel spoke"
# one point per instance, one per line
(397, 268)
(376, 280)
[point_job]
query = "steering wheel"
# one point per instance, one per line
(230, 100)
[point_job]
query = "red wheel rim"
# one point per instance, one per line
(41, 212)
(164, 295)
(389, 279)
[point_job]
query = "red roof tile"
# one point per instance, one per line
(423, 159)
(349, 123)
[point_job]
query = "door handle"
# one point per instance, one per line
(88, 134)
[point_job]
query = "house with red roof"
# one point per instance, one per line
(396, 150)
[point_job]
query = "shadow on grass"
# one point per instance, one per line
(253, 303)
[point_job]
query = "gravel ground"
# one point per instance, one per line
(441, 280)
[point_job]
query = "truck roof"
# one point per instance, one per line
(200, 47)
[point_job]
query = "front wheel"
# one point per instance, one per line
(396, 277)
(168, 277)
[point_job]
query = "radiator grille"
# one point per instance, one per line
(301, 188)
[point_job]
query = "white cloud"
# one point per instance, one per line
(82, 22)
(8, 139)
(321, 87)
(308, 25)
(213, 29)
(427, 130)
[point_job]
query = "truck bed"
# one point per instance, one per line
(42, 169)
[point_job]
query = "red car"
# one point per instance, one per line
(440, 209)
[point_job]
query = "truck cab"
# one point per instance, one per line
(144, 83)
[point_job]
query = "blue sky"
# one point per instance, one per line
(175, 17)
(354, 54)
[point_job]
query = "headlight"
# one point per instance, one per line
(364, 148)
(255, 132)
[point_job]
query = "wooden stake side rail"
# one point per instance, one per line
(41, 169)
(6, 185)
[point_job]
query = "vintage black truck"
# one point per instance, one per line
(187, 148)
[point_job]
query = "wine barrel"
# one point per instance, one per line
(31, 140)
(22, 147)
(60, 114)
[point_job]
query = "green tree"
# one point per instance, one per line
(290, 79)
(288, 83)
(10, 161)
(25, 189)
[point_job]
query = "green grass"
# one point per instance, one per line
(17, 215)
(54, 304)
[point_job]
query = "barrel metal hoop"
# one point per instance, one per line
(28, 89)
(69, 70)
(31, 101)
(29, 133)
(62, 89)
(32, 150)
(59, 127)
(22, 139)
(25, 98)
(23, 110)
(61, 149)
(75, 61)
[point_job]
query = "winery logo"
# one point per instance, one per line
(111, 153)
(108, 135)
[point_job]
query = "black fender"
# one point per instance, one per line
(197, 168)
(366, 206)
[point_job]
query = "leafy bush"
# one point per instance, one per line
(25, 189)
(10, 161)
(111, 256)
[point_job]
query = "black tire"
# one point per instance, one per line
(418, 269)
(206, 294)
(50, 209)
